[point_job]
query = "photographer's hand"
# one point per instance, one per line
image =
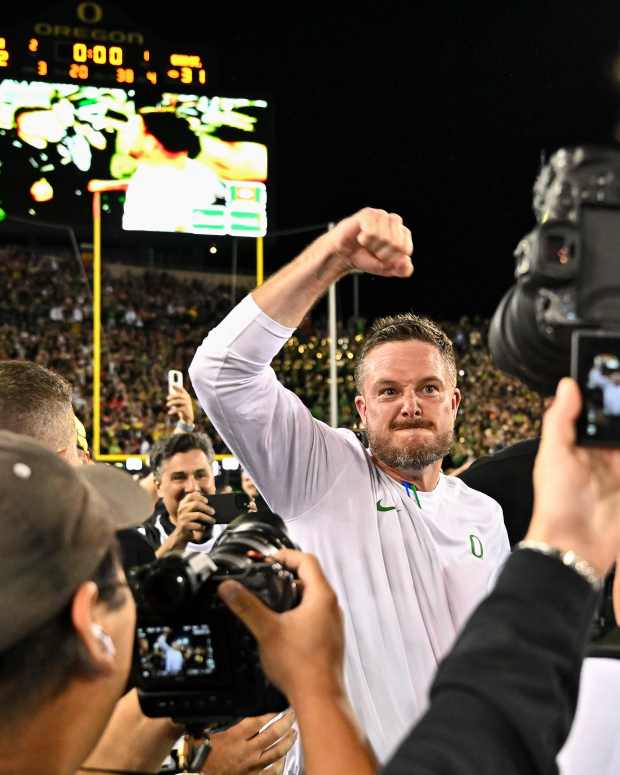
(243, 750)
(179, 403)
(576, 489)
(310, 634)
(302, 652)
(193, 517)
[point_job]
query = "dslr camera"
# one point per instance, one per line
(194, 660)
(563, 314)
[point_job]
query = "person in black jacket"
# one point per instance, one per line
(503, 700)
(506, 476)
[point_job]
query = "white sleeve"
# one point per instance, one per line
(293, 458)
(163, 644)
(596, 379)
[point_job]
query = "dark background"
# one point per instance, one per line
(437, 111)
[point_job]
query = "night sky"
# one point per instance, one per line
(437, 111)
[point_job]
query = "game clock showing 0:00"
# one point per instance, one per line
(187, 69)
(98, 54)
(98, 63)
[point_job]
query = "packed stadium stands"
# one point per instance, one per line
(153, 321)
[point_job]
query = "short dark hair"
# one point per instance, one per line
(179, 442)
(38, 667)
(172, 131)
(35, 401)
(402, 328)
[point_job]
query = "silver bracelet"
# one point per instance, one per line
(569, 558)
(185, 427)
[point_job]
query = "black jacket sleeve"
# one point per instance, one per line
(504, 698)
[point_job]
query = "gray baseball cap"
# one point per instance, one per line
(57, 523)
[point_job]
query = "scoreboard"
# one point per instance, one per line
(85, 49)
(105, 64)
(90, 104)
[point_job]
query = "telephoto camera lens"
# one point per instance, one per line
(566, 268)
(242, 550)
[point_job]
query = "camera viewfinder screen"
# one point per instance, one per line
(176, 653)
(598, 373)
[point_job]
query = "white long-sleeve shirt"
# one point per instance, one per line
(408, 567)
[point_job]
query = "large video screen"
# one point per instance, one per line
(165, 162)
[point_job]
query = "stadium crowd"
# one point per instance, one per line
(153, 321)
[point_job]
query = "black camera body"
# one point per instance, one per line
(562, 316)
(567, 269)
(194, 660)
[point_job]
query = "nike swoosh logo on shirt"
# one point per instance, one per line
(384, 508)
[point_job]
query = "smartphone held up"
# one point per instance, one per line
(596, 367)
(175, 380)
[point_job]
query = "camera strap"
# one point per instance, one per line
(196, 753)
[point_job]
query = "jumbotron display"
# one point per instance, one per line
(162, 161)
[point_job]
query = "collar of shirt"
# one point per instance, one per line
(393, 473)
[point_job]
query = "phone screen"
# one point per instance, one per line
(596, 367)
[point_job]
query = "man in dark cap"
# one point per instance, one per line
(67, 623)
(36, 401)
(67, 618)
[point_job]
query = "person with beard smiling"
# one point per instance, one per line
(183, 473)
(409, 551)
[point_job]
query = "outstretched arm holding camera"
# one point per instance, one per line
(504, 698)
(146, 742)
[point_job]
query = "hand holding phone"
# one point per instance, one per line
(175, 379)
(179, 401)
(595, 365)
(228, 505)
(194, 519)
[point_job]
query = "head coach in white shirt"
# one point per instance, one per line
(409, 551)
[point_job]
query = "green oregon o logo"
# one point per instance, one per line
(90, 13)
(476, 546)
